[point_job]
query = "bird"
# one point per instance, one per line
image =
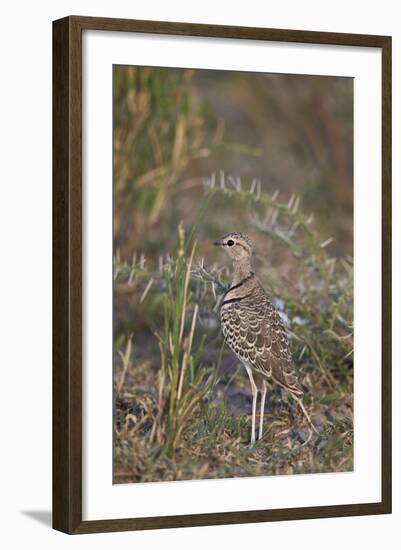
(254, 330)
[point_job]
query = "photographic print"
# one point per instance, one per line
(233, 274)
(221, 274)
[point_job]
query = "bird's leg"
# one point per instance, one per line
(305, 413)
(254, 398)
(262, 408)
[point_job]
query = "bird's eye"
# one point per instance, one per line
(230, 242)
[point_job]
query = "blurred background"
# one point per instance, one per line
(174, 127)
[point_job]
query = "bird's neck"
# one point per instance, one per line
(242, 270)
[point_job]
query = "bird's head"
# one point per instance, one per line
(237, 245)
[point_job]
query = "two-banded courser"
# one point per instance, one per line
(254, 330)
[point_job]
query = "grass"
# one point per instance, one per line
(182, 404)
(172, 127)
(188, 382)
(159, 131)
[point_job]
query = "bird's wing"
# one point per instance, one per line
(264, 340)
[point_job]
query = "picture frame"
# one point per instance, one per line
(68, 289)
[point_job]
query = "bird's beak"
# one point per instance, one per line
(217, 243)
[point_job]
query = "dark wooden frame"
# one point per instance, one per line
(67, 274)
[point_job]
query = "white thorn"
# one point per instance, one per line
(213, 180)
(326, 242)
(131, 277)
(275, 194)
(222, 181)
(147, 288)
